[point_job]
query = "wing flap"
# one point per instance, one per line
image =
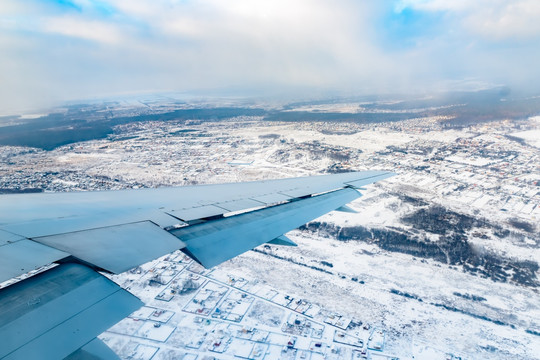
(199, 212)
(8, 237)
(72, 222)
(116, 248)
(94, 350)
(272, 198)
(24, 255)
(52, 314)
(241, 204)
(214, 242)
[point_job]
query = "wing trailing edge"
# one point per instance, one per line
(216, 241)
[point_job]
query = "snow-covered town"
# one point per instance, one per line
(438, 262)
(195, 313)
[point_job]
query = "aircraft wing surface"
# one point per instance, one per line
(82, 233)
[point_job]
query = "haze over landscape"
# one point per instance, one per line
(60, 50)
(440, 262)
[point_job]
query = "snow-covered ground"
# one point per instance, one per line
(426, 309)
(423, 309)
(532, 137)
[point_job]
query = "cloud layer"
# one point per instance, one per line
(61, 50)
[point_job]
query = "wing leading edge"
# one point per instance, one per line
(115, 231)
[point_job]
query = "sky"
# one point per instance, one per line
(60, 50)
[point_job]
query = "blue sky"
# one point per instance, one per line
(57, 50)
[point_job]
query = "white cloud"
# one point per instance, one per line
(493, 19)
(136, 45)
(93, 30)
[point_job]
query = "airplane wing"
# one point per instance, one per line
(59, 312)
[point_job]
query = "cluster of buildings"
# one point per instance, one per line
(224, 318)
